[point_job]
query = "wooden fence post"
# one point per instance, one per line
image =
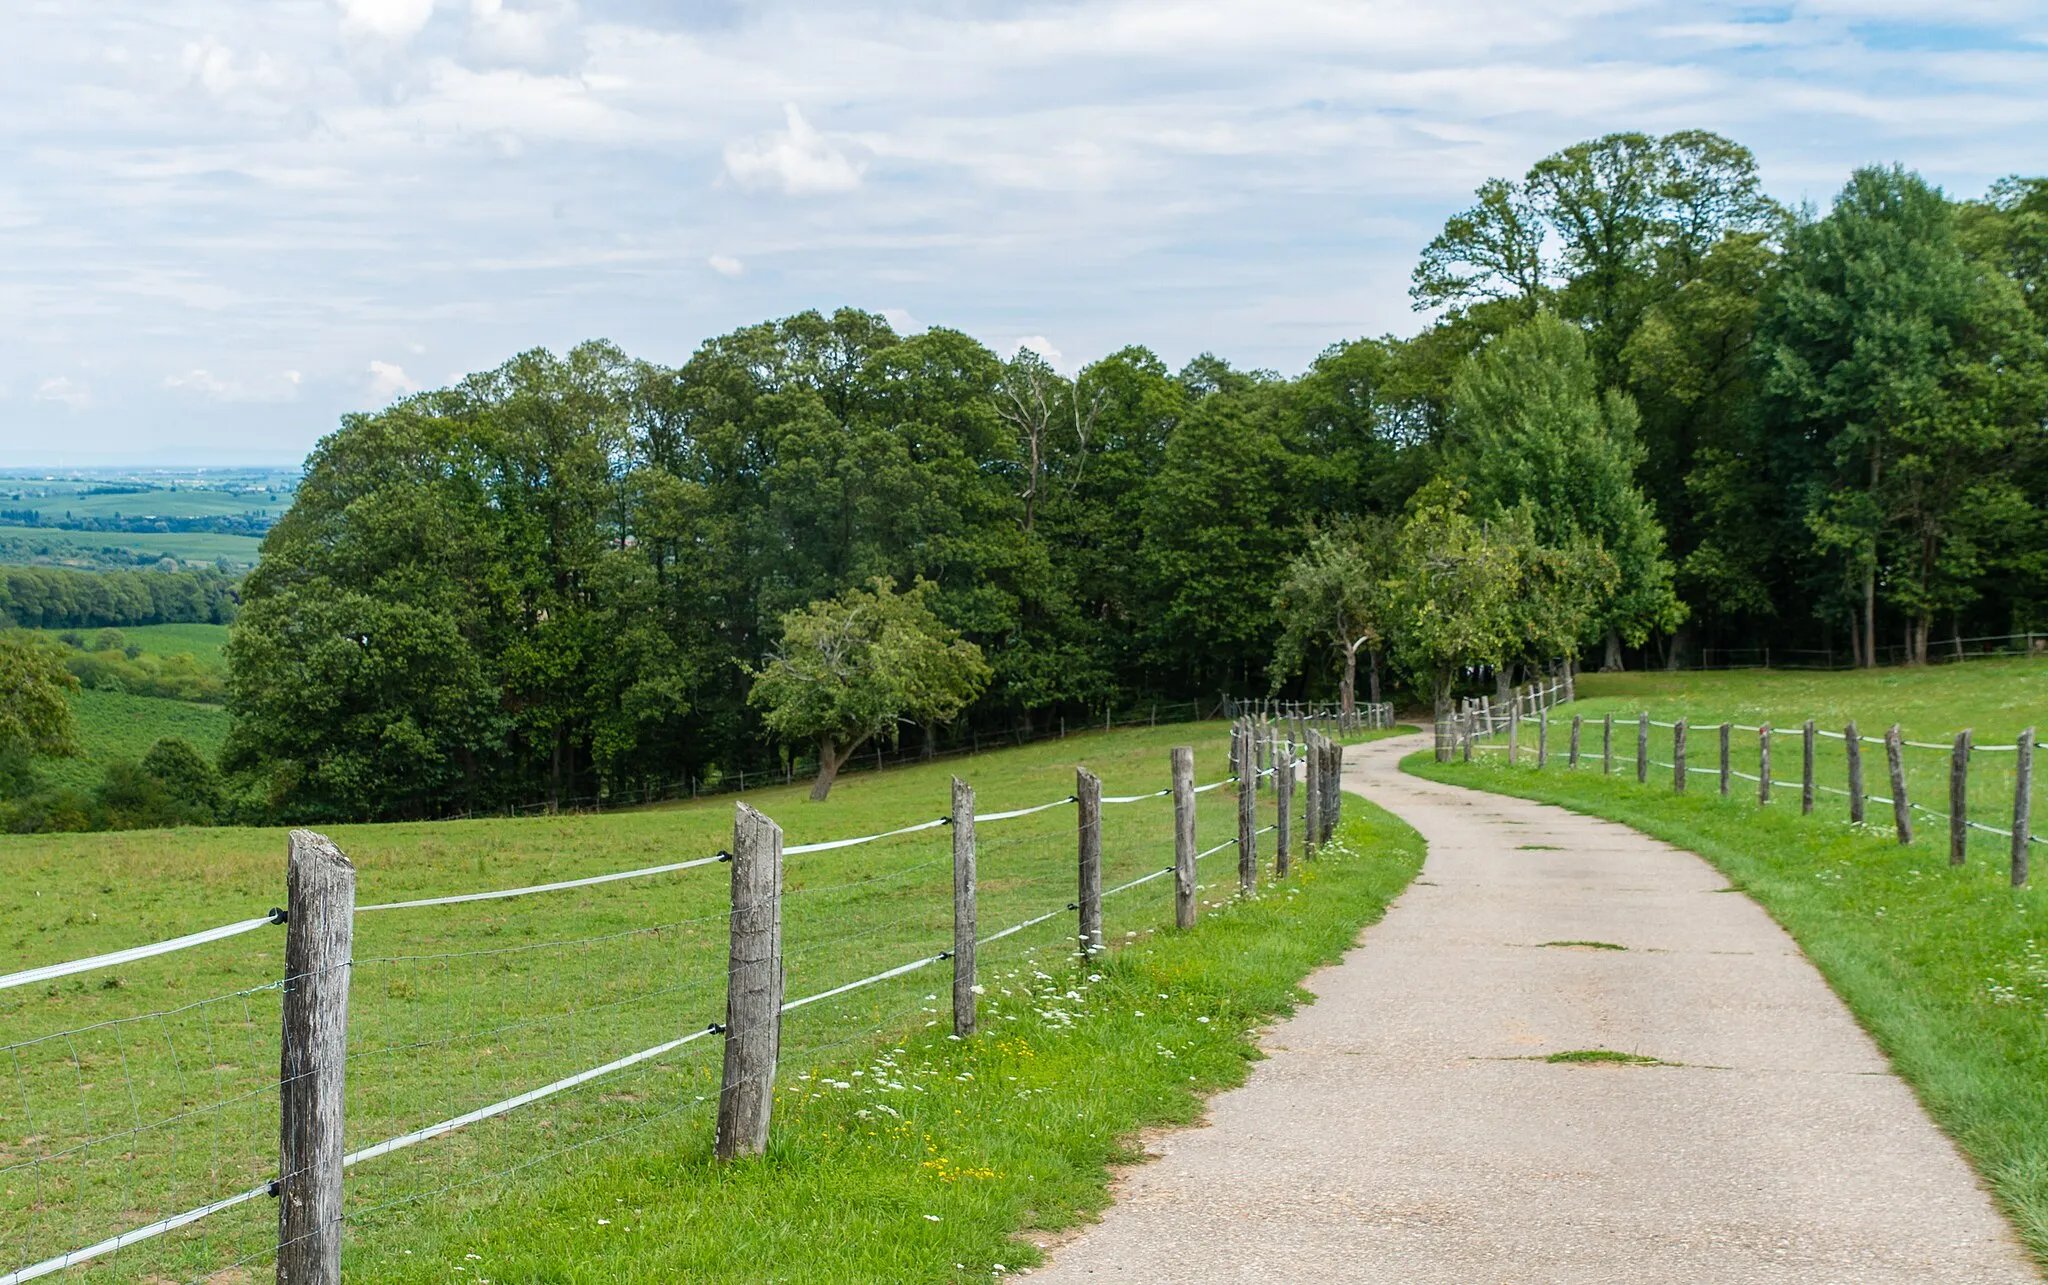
(753, 987)
(1514, 731)
(1573, 760)
(1642, 748)
(1261, 745)
(1311, 815)
(1763, 765)
(1088, 794)
(2022, 806)
(1727, 769)
(1678, 756)
(963, 909)
(1853, 747)
(1247, 835)
(1183, 771)
(1807, 736)
(1334, 795)
(1895, 757)
(1543, 738)
(1283, 802)
(1607, 746)
(1468, 729)
(320, 901)
(1959, 799)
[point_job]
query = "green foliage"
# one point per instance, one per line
(1453, 593)
(1910, 375)
(35, 717)
(854, 667)
(1337, 594)
(110, 662)
(187, 777)
(1530, 426)
(54, 598)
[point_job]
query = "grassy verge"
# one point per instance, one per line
(1944, 967)
(921, 1158)
(453, 1008)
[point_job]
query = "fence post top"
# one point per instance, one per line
(311, 845)
(746, 814)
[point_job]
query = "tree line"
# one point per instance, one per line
(1655, 411)
(62, 598)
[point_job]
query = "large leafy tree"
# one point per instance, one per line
(854, 667)
(1453, 593)
(35, 705)
(1910, 374)
(1532, 428)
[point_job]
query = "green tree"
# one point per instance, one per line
(35, 706)
(1452, 593)
(1911, 373)
(1530, 426)
(855, 667)
(1335, 595)
(190, 781)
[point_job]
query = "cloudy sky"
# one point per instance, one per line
(224, 224)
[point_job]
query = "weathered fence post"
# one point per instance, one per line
(1727, 769)
(1088, 794)
(1333, 797)
(1959, 799)
(1283, 802)
(1807, 736)
(1642, 748)
(1247, 835)
(1853, 747)
(963, 909)
(1183, 762)
(1469, 728)
(1261, 745)
(1573, 760)
(1895, 757)
(1514, 731)
(1313, 812)
(319, 937)
(753, 987)
(1763, 765)
(1543, 738)
(2022, 806)
(1607, 746)
(1678, 756)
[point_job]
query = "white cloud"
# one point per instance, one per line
(281, 387)
(389, 380)
(901, 321)
(726, 266)
(1043, 347)
(540, 35)
(65, 392)
(391, 19)
(798, 160)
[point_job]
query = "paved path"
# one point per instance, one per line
(1395, 1135)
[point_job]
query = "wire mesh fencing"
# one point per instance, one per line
(491, 1034)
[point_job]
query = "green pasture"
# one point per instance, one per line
(201, 642)
(1943, 965)
(115, 725)
(456, 1007)
(80, 547)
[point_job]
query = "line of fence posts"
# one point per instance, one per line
(1471, 722)
(319, 922)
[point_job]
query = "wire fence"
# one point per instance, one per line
(1940, 651)
(1973, 794)
(490, 1034)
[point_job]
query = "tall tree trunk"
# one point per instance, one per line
(931, 741)
(1347, 693)
(1372, 661)
(1611, 662)
(1503, 683)
(1870, 613)
(1855, 640)
(1680, 637)
(830, 760)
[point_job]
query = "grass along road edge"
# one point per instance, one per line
(981, 1141)
(1943, 967)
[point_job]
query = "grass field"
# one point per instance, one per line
(115, 725)
(459, 1006)
(1945, 967)
(63, 547)
(203, 643)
